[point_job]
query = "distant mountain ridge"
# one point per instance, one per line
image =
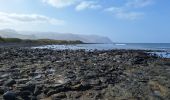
(8, 33)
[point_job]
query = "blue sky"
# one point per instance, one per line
(120, 20)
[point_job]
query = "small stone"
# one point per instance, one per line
(58, 96)
(94, 82)
(103, 79)
(4, 76)
(76, 87)
(51, 92)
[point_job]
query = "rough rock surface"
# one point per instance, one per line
(35, 74)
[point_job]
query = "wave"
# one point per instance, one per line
(121, 44)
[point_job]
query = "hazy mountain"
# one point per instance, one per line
(8, 33)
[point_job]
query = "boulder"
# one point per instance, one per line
(9, 95)
(10, 82)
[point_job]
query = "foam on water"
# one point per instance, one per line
(137, 46)
(120, 44)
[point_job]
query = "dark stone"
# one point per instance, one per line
(12, 67)
(82, 86)
(138, 60)
(3, 89)
(25, 93)
(96, 75)
(94, 82)
(10, 82)
(34, 98)
(46, 90)
(76, 87)
(58, 96)
(9, 95)
(51, 92)
(57, 90)
(103, 79)
(29, 86)
(38, 90)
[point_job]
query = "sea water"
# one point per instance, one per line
(163, 47)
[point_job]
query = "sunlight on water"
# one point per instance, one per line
(136, 46)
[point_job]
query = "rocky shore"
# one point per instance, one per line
(42, 74)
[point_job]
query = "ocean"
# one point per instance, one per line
(141, 46)
(164, 47)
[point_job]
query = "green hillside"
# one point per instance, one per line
(39, 41)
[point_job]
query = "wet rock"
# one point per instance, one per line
(4, 76)
(56, 89)
(12, 67)
(103, 79)
(81, 74)
(28, 87)
(94, 82)
(33, 98)
(4, 89)
(10, 82)
(76, 87)
(38, 90)
(25, 95)
(84, 85)
(22, 81)
(9, 95)
(91, 74)
(58, 96)
(51, 92)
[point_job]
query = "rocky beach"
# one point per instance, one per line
(43, 74)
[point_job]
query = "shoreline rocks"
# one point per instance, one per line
(40, 74)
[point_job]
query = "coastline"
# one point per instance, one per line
(45, 74)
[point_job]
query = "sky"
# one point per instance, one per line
(140, 21)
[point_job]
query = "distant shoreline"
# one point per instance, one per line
(16, 42)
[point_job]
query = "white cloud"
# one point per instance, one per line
(129, 15)
(139, 3)
(78, 4)
(127, 10)
(122, 13)
(114, 9)
(87, 5)
(60, 3)
(13, 18)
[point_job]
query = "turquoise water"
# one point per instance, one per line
(164, 47)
